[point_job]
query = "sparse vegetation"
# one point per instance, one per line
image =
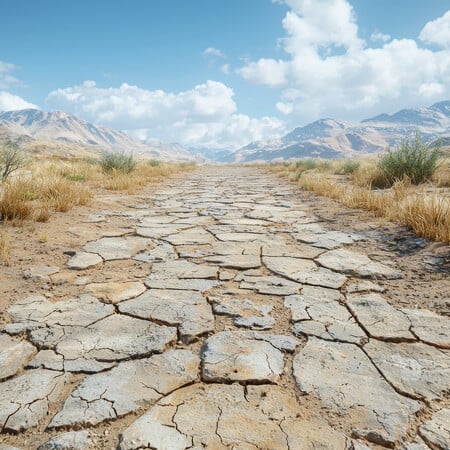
(118, 162)
(425, 208)
(11, 159)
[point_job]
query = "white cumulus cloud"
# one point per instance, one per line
(11, 102)
(205, 115)
(437, 31)
(329, 70)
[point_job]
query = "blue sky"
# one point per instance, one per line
(223, 72)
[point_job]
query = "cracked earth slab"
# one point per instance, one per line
(317, 312)
(127, 387)
(99, 346)
(245, 356)
(346, 381)
(13, 355)
(353, 263)
(188, 310)
(419, 370)
(304, 271)
(25, 400)
(226, 416)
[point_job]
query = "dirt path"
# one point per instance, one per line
(223, 309)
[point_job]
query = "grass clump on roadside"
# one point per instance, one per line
(349, 166)
(117, 161)
(412, 159)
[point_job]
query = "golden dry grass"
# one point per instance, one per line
(425, 208)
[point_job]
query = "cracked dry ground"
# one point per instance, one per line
(219, 312)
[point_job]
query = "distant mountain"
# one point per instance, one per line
(40, 129)
(210, 154)
(329, 138)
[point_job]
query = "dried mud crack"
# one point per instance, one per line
(222, 310)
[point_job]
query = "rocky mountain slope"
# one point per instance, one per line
(329, 138)
(49, 131)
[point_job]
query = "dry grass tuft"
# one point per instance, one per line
(62, 194)
(15, 200)
(428, 216)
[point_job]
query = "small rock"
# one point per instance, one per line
(41, 273)
(245, 312)
(83, 260)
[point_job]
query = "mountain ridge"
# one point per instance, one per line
(332, 138)
(40, 128)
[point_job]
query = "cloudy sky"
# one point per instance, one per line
(221, 73)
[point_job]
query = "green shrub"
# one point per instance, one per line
(154, 162)
(414, 160)
(120, 162)
(349, 166)
(307, 164)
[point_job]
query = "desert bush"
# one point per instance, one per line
(119, 162)
(348, 167)
(11, 159)
(154, 162)
(414, 160)
(307, 164)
